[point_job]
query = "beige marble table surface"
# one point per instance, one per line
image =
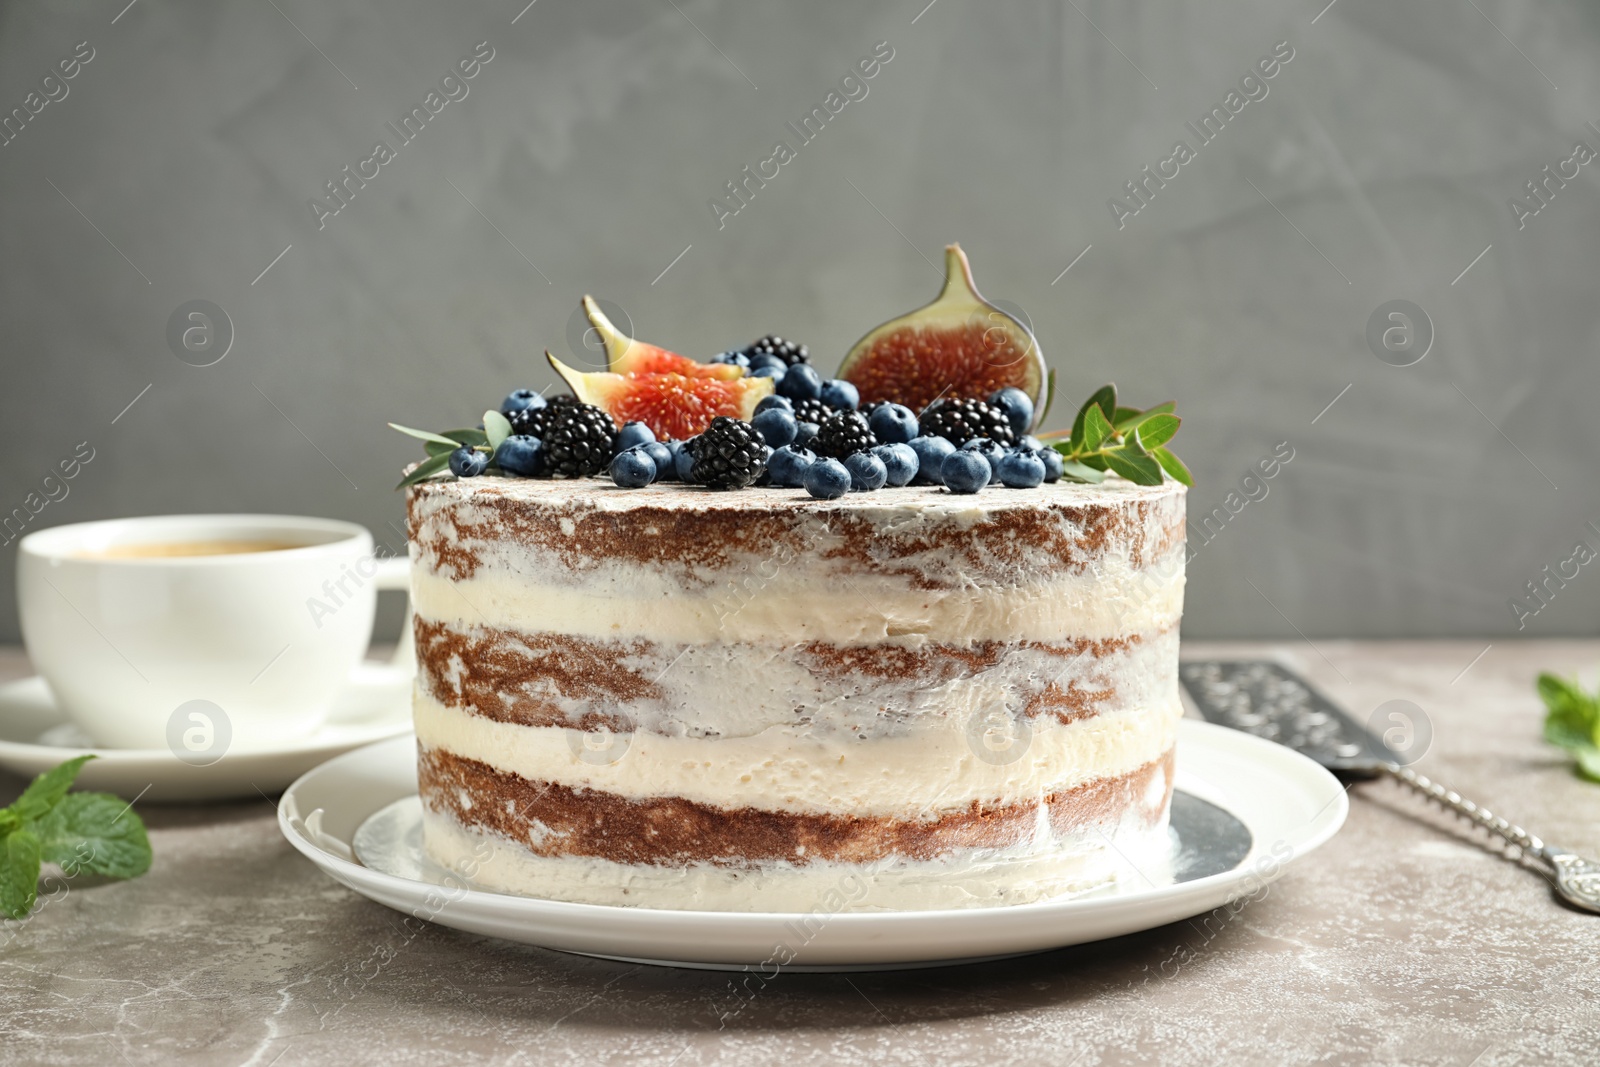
(1400, 942)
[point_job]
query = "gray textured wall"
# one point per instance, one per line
(183, 158)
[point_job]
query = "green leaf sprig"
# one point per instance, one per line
(1131, 442)
(82, 833)
(496, 428)
(1573, 722)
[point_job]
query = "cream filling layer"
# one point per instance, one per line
(790, 608)
(941, 764)
(1135, 851)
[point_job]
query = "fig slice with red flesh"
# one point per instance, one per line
(958, 346)
(674, 406)
(624, 355)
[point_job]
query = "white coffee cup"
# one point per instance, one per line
(244, 649)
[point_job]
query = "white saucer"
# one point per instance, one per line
(35, 736)
(1288, 804)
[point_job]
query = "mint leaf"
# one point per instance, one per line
(426, 469)
(1573, 719)
(497, 428)
(95, 833)
(424, 435)
(1155, 430)
(19, 874)
(46, 791)
(1096, 428)
(1173, 466)
(1589, 762)
(1136, 467)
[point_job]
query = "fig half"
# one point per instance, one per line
(624, 355)
(958, 346)
(676, 407)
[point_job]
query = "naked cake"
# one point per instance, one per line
(733, 636)
(671, 697)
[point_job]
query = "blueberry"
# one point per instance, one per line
(666, 464)
(1029, 443)
(867, 472)
(788, 465)
(986, 448)
(681, 459)
(522, 400)
(468, 462)
(1052, 464)
(776, 426)
(931, 452)
(840, 395)
(900, 461)
(519, 454)
(893, 424)
(808, 430)
(774, 401)
(633, 469)
(801, 382)
(1017, 406)
(632, 435)
(768, 370)
(733, 356)
(766, 359)
(965, 472)
(827, 479)
(1020, 470)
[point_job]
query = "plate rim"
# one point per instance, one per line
(1322, 827)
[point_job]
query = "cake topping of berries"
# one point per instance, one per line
(843, 433)
(729, 455)
(577, 440)
(960, 419)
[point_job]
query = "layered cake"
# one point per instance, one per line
(671, 697)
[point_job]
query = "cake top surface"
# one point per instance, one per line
(593, 494)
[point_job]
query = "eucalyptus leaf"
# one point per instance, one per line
(426, 469)
(496, 428)
(424, 435)
(471, 436)
(1079, 472)
(1173, 465)
(1139, 469)
(1096, 428)
(435, 448)
(1156, 430)
(1105, 398)
(1124, 416)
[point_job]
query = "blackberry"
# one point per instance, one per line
(960, 419)
(843, 433)
(729, 455)
(772, 344)
(528, 422)
(577, 439)
(811, 411)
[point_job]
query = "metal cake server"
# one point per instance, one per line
(1264, 698)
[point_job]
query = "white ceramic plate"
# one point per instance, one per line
(35, 736)
(1289, 804)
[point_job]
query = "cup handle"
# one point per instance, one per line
(395, 573)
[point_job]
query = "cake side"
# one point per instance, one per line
(662, 697)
